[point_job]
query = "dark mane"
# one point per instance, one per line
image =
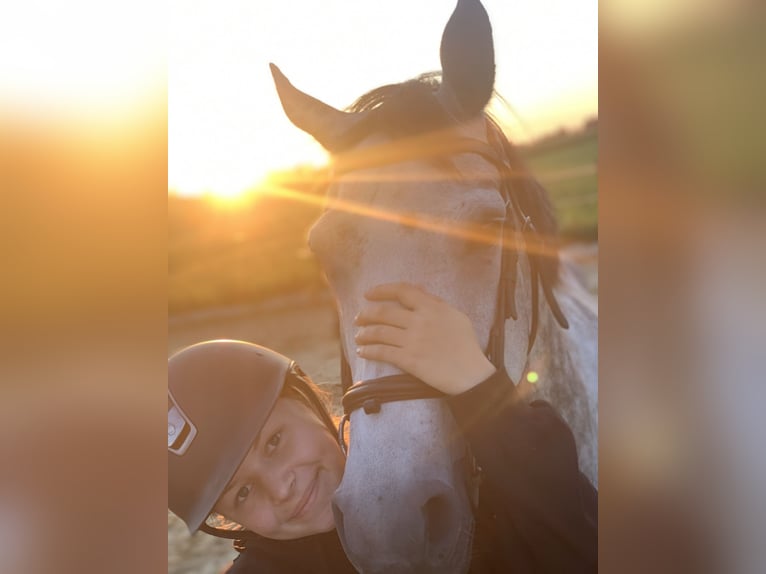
(411, 108)
(402, 110)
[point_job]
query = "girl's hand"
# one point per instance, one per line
(422, 335)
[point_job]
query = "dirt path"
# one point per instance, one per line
(304, 328)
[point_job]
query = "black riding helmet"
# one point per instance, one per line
(220, 394)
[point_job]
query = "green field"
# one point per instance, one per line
(225, 255)
(568, 171)
(219, 255)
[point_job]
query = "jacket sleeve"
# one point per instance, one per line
(544, 508)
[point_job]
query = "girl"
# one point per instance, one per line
(253, 451)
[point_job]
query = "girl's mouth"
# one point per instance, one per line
(306, 500)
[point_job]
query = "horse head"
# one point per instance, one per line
(401, 208)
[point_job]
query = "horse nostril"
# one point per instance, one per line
(437, 515)
(340, 527)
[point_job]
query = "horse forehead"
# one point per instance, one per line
(424, 189)
(460, 183)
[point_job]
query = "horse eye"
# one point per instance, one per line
(482, 236)
(492, 223)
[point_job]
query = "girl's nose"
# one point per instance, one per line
(280, 486)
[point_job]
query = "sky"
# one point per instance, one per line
(226, 128)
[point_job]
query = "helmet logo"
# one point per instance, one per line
(181, 431)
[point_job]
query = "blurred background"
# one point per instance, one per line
(86, 112)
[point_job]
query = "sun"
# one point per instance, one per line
(230, 198)
(232, 192)
(228, 186)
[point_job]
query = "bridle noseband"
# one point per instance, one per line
(370, 395)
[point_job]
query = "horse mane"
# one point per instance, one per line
(410, 108)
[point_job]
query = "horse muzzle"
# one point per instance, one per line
(422, 530)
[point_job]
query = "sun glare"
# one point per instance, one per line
(231, 193)
(227, 185)
(228, 198)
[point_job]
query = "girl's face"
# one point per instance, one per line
(283, 488)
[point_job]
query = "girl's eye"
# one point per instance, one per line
(243, 493)
(273, 441)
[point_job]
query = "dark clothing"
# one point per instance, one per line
(537, 512)
(317, 554)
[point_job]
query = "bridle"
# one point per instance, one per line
(369, 395)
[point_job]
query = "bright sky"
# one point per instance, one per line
(226, 128)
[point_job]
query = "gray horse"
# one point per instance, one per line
(402, 209)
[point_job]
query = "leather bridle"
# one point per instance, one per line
(371, 394)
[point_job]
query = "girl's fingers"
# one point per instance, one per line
(383, 353)
(409, 295)
(384, 312)
(380, 334)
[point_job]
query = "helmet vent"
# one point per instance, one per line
(181, 431)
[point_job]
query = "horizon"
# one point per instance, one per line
(541, 140)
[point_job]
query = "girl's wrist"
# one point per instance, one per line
(478, 372)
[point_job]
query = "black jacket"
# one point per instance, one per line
(537, 512)
(317, 554)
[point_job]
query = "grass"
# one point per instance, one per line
(224, 255)
(567, 169)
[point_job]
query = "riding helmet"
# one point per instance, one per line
(220, 394)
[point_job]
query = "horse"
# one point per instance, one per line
(428, 190)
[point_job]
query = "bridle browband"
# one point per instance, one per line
(371, 394)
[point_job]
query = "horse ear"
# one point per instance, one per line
(326, 124)
(468, 60)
